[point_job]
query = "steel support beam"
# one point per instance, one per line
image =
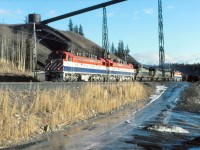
(102, 5)
(161, 38)
(105, 41)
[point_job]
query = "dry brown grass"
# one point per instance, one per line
(25, 115)
(10, 68)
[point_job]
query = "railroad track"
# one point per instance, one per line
(20, 86)
(33, 86)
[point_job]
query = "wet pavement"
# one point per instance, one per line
(157, 125)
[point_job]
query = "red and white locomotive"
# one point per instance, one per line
(65, 66)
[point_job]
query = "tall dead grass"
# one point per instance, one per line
(11, 68)
(24, 115)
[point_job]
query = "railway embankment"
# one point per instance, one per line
(28, 114)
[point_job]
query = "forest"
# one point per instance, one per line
(189, 69)
(16, 47)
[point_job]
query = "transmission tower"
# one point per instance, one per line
(105, 42)
(161, 38)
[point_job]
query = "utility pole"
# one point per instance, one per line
(34, 62)
(161, 38)
(105, 42)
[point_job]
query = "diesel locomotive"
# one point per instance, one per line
(67, 66)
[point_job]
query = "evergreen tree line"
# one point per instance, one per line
(76, 29)
(121, 51)
(190, 69)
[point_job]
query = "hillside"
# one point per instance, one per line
(48, 39)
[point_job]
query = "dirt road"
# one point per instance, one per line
(108, 131)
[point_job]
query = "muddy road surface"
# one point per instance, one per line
(156, 125)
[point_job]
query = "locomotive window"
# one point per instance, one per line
(63, 56)
(57, 55)
(69, 58)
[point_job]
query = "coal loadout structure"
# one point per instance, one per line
(47, 39)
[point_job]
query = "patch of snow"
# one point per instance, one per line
(127, 121)
(159, 91)
(167, 128)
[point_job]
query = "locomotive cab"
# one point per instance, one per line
(54, 66)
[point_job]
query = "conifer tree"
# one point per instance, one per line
(80, 30)
(112, 50)
(70, 25)
(76, 29)
(127, 51)
(121, 49)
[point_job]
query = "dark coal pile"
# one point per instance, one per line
(190, 99)
(17, 78)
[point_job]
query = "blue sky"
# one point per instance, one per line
(134, 21)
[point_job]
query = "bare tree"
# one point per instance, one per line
(15, 48)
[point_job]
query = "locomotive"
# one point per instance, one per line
(67, 66)
(145, 73)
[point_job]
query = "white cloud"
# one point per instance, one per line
(148, 11)
(53, 13)
(99, 14)
(4, 12)
(170, 7)
(8, 12)
(136, 15)
(18, 11)
(111, 14)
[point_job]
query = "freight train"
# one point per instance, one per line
(66, 66)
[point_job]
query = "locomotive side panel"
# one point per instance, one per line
(119, 72)
(79, 68)
(142, 73)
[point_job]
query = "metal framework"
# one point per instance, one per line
(105, 41)
(102, 5)
(161, 38)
